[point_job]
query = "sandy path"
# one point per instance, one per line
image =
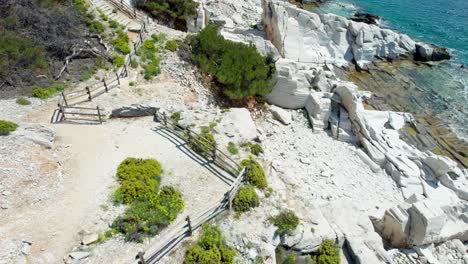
(90, 156)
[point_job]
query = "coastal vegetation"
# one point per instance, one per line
(6, 127)
(210, 248)
(254, 148)
(245, 199)
(327, 253)
(23, 101)
(149, 210)
(148, 55)
(45, 93)
(286, 222)
(170, 12)
(232, 148)
(255, 174)
(238, 69)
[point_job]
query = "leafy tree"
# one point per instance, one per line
(238, 68)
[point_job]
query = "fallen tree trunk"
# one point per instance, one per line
(76, 53)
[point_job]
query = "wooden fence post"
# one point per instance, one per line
(89, 93)
(125, 68)
(189, 134)
(105, 85)
(165, 118)
(227, 194)
(141, 37)
(63, 113)
(118, 80)
(140, 256)
(189, 223)
(64, 99)
(213, 153)
(99, 114)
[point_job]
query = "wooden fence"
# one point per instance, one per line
(174, 234)
(67, 100)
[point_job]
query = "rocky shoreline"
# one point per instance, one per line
(309, 48)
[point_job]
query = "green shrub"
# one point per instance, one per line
(6, 127)
(290, 259)
(245, 199)
(328, 253)
(138, 178)
(210, 248)
(113, 23)
(132, 83)
(44, 93)
(23, 101)
(255, 174)
(255, 148)
(118, 61)
(121, 43)
(95, 26)
(238, 68)
(175, 116)
(134, 64)
(146, 216)
(151, 69)
(18, 52)
(175, 11)
(171, 45)
(85, 75)
(232, 148)
(286, 222)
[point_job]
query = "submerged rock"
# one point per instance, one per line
(366, 18)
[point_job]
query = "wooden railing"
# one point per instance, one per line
(174, 234)
(76, 114)
(210, 150)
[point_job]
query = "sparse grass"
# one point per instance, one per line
(113, 23)
(118, 61)
(23, 101)
(85, 75)
(254, 148)
(132, 83)
(171, 45)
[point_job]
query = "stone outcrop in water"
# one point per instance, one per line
(313, 38)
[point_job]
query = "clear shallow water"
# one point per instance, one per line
(441, 22)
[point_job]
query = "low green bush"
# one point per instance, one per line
(232, 148)
(148, 54)
(245, 199)
(113, 23)
(147, 215)
(254, 148)
(255, 174)
(44, 93)
(6, 127)
(328, 253)
(210, 248)
(132, 83)
(175, 116)
(95, 26)
(121, 43)
(102, 15)
(171, 45)
(138, 178)
(118, 61)
(23, 101)
(134, 64)
(286, 222)
(239, 69)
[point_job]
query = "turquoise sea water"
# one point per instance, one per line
(441, 22)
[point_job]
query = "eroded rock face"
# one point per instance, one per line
(308, 37)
